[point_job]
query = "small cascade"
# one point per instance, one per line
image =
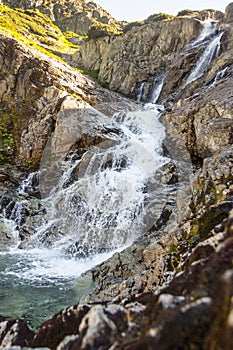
(209, 29)
(139, 92)
(210, 53)
(28, 185)
(220, 75)
(156, 89)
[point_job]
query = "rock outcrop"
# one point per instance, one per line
(195, 307)
(172, 289)
(76, 16)
(35, 91)
(142, 52)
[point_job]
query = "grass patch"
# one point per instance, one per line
(94, 75)
(34, 29)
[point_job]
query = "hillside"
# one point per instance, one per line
(118, 200)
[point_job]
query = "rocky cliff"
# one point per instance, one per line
(172, 289)
(75, 15)
(144, 51)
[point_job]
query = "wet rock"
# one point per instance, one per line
(65, 323)
(15, 333)
(7, 239)
(114, 277)
(81, 251)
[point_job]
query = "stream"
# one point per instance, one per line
(102, 201)
(85, 218)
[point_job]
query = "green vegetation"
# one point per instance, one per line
(71, 35)
(94, 75)
(34, 29)
(186, 12)
(158, 17)
(8, 122)
(98, 30)
(37, 31)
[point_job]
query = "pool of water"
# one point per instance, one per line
(37, 284)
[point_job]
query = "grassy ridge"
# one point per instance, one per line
(34, 29)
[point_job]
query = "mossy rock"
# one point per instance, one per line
(203, 225)
(34, 29)
(157, 17)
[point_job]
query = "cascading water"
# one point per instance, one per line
(157, 88)
(139, 92)
(97, 207)
(93, 204)
(211, 52)
(209, 29)
(220, 75)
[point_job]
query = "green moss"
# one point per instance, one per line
(94, 75)
(34, 29)
(91, 73)
(70, 35)
(203, 225)
(172, 249)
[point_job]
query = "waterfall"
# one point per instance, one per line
(220, 75)
(210, 53)
(103, 209)
(97, 207)
(99, 203)
(209, 29)
(157, 88)
(139, 92)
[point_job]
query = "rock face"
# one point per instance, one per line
(76, 16)
(142, 52)
(34, 93)
(204, 120)
(194, 307)
(138, 54)
(173, 288)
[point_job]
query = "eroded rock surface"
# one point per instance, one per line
(173, 287)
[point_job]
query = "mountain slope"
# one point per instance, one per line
(73, 15)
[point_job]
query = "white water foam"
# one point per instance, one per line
(102, 210)
(157, 88)
(209, 29)
(211, 52)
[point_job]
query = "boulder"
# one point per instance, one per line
(14, 333)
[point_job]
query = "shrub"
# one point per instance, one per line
(158, 17)
(98, 30)
(185, 12)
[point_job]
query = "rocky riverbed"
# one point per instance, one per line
(172, 287)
